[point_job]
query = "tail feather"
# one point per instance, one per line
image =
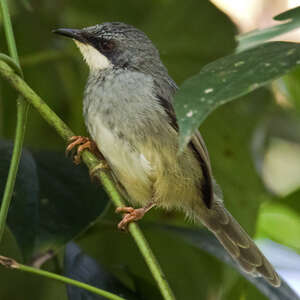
(238, 243)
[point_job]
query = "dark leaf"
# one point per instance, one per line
(69, 201)
(53, 201)
(229, 78)
(83, 268)
(23, 212)
(203, 240)
(191, 274)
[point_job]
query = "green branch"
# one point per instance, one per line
(22, 112)
(91, 161)
(12, 264)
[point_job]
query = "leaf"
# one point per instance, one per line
(23, 212)
(229, 78)
(228, 134)
(191, 274)
(280, 223)
(53, 200)
(29, 286)
(69, 201)
(289, 87)
(79, 266)
(203, 240)
(285, 260)
(255, 37)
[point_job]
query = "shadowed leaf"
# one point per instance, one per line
(83, 268)
(203, 240)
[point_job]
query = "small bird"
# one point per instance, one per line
(129, 114)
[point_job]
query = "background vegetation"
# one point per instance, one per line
(55, 203)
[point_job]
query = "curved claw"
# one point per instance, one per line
(132, 215)
(83, 143)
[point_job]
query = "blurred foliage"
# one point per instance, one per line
(290, 20)
(55, 202)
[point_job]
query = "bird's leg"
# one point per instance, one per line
(83, 143)
(132, 214)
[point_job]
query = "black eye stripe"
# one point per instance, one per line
(107, 45)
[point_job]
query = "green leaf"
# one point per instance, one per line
(53, 200)
(229, 78)
(203, 240)
(280, 223)
(228, 134)
(23, 213)
(188, 258)
(21, 285)
(69, 201)
(191, 274)
(289, 87)
(81, 267)
(255, 37)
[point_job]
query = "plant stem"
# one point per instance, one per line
(22, 112)
(12, 264)
(91, 161)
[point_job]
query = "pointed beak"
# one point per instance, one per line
(76, 34)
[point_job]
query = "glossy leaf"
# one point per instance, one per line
(23, 216)
(229, 78)
(79, 266)
(291, 20)
(54, 200)
(69, 201)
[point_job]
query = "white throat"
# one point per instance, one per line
(94, 59)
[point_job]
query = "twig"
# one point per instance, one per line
(91, 161)
(12, 264)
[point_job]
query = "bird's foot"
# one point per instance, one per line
(132, 215)
(83, 143)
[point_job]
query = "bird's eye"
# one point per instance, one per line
(107, 45)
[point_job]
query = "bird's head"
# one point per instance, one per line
(114, 45)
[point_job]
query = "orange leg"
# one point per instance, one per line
(132, 215)
(83, 143)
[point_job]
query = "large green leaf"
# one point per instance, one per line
(69, 201)
(81, 267)
(207, 242)
(280, 223)
(228, 134)
(191, 274)
(229, 78)
(255, 37)
(23, 216)
(53, 201)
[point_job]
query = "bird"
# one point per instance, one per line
(128, 111)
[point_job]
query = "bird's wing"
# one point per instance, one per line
(197, 145)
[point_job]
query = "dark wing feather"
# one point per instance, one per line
(196, 143)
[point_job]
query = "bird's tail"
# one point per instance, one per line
(238, 243)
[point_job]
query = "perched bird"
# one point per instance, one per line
(129, 114)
